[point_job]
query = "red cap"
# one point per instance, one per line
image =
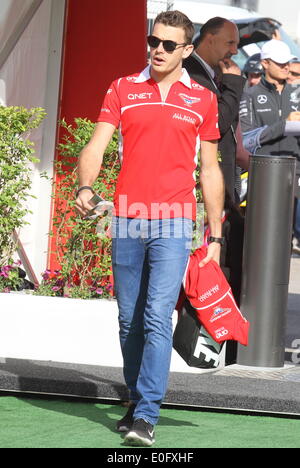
(210, 294)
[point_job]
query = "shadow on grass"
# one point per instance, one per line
(99, 413)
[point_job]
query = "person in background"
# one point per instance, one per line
(294, 80)
(253, 70)
(211, 65)
(164, 118)
(269, 112)
(294, 73)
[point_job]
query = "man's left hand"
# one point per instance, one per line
(213, 253)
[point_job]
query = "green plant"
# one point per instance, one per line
(9, 277)
(83, 256)
(16, 159)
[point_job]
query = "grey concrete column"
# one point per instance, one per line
(266, 262)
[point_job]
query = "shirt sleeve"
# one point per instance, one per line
(247, 117)
(111, 107)
(209, 130)
(232, 87)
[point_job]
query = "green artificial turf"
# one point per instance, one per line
(41, 423)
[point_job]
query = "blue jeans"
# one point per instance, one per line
(149, 260)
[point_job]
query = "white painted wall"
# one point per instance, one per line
(30, 77)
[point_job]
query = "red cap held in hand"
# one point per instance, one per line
(210, 294)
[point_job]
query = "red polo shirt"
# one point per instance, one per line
(159, 143)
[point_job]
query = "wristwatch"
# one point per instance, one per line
(218, 240)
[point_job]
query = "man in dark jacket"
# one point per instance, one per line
(270, 111)
(211, 66)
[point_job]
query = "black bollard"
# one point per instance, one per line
(266, 261)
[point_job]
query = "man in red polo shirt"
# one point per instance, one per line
(164, 119)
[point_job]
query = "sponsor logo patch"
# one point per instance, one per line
(262, 99)
(220, 310)
(184, 118)
(197, 86)
(132, 79)
(209, 293)
(189, 100)
(133, 96)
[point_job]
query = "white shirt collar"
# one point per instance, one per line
(186, 79)
(145, 76)
(208, 67)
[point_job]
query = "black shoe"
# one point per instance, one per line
(141, 434)
(126, 423)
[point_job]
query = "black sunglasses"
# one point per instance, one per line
(295, 74)
(169, 46)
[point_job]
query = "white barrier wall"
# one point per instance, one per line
(65, 330)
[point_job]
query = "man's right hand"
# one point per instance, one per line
(82, 204)
(229, 66)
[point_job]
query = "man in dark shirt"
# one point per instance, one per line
(211, 66)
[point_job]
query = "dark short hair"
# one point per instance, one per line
(212, 26)
(177, 19)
